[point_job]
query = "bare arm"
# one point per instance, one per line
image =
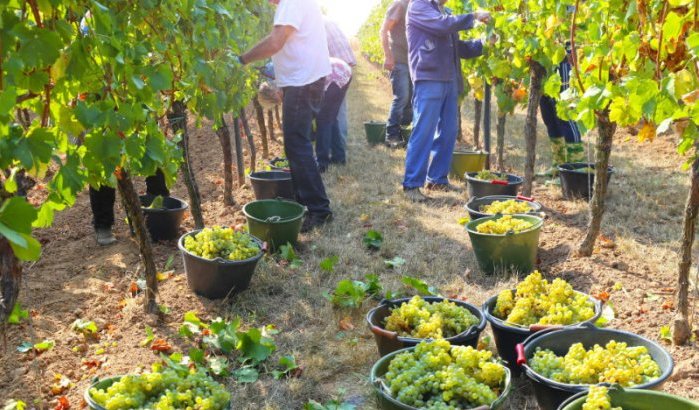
(389, 61)
(268, 46)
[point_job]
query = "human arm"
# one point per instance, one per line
(470, 48)
(270, 45)
(425, 17)
(389, 60)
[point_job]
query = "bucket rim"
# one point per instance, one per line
(539, 222)
(470, 152)
(569, 167)
(476, 328)
(278, 171)
(276, 201)
(184, 206)
(219, 260)
(496, 322)
(536, 338)
(537, 206)
(376, 381)
(631, 391)
(516, 179)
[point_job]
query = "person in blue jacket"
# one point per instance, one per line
(435, 50)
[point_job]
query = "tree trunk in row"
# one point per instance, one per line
(605, 134)
(251, 140)
(270, 116)
(536, 74)
(239, 159)
(477, 114)
(260, 114)
(224, 136)
(502, 119)
(10, 279)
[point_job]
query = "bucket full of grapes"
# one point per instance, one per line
(578, 179)
(401, 323)
(505, 242)
(486, 183)
(151, 390)
(564, 362)
(602, 397)
(275, 221)
(463, 378)
(535, 305)
(467, 161)
(501, 205)
(219, 261)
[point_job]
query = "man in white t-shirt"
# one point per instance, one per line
(299, 51)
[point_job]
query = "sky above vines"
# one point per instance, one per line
(349, 14)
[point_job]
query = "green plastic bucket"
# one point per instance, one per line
(510, 252)
(274, 221)
(386, 402)
(636, 400)
(375, 132)
(467, 161)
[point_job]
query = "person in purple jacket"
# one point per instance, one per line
(434, 52)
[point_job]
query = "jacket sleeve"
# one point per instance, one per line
(424, 17)
(470, 49)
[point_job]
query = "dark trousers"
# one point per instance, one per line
(555, 126)
(102, 200)
(330, 147)
(299, 106)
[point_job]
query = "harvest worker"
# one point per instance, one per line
(395, 50)
(299, 50)
(435, 49)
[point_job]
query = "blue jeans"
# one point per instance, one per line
(401, 112)
(342, 120)
(555, 126)
(299, 105)
(435, 124)
(330, 147)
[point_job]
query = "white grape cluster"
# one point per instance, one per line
(506, 207)
(439, 376)
(503, 225)
(422, 319)
(536, 301)
(163, 390)
(598, 399)
(226, 243)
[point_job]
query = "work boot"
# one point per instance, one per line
(415, 195)
(104, 236)
(443, 187)
(313, 221)
(559, 155)
(394, 142)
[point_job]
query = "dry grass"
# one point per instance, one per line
(644, 217)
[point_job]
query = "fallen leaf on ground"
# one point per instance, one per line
(668, 305)
(603, 296)
(606, 242)
(63, 404)
(160, 345)
(346, 324)
(133, 288)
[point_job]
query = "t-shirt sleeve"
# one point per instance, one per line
(395, 11)
(290, 13)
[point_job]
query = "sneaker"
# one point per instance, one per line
(104, 236)
(394, 142)
(415, 195)
(313, 221)
(443, 187)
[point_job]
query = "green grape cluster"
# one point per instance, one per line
(598, 399)
(486, 175)
(280, 163)
(536, 301)
(503, 225)
(422, 319)
(217, 242)
(436, 375)
(616, 362)
(166, 389)
(506, 207)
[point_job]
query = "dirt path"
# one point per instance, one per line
(78, 279)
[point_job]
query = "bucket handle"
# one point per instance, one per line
(521, 357)
(499, 182)
(539, 328)
(383, 332)
(525, 198)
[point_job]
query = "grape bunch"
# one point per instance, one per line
(280, 163)
(506, 207)
(165, 389)
(217, 242)
(486, 175)
(598, 399)
(536, 301)
(422, 319)
(438, 376)
(503, 225)
(616, 362)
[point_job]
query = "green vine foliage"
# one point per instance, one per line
(79, 104)
(369, 33)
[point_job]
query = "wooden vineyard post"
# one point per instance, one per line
(536, 74)
(239, 158)
(224, 136)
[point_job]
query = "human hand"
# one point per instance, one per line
(389, 64)
(482, 16)
(491, 40)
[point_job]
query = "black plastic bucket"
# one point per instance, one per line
(388, 341)
(550, 394)
(163, 223)
(474, 205)
(217, 278)
(478, 188)
(507, 336)
(386, 402)
(272, 185)
(578, 185)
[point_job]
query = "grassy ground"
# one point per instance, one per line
(76, 278)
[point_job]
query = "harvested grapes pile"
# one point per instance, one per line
(163, 389)
(536, 301)
(486, 175)
(598, 399)
(437, 375)
(616, 362)
(503, 225)
(280, 163)
(508, 207)
(225, 243)
(422, 319)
